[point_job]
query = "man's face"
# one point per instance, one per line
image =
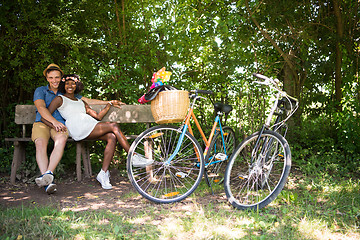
(53, 78)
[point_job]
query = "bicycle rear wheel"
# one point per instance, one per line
(217, 157)
(257, 173)
(163, 181)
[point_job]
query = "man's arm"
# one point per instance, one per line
(45, 113)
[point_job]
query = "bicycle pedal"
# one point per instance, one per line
(212, 175)
(242, 177)
(220, 156)
(181, 175)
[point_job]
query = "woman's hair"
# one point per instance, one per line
(74, 77)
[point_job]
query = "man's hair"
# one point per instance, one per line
(73, 77)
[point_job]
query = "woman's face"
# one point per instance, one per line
(70, 86)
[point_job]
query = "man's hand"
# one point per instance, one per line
(59, 127)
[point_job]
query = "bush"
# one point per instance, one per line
(322, 147)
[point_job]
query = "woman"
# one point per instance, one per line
(84, 123)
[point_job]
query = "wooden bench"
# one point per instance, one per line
(25, 115)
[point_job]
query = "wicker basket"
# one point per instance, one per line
(170, 106)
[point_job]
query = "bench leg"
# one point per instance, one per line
(78, 160)
(82, 151)
(19, 155)
(148, 148)
(86, 159)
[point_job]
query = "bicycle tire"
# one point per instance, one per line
(218, 156)
(254, 185)
(161, 182)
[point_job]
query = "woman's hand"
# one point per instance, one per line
(116, 103)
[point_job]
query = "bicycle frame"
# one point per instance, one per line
(268, 119)
(276, 105)
(187, 127)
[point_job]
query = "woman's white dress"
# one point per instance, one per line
(79, 124)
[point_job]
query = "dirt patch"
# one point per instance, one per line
(88, 195)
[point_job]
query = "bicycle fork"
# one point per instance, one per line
(178, 145)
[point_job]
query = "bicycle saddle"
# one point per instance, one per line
(225, 108)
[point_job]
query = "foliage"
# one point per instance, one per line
(115, 46)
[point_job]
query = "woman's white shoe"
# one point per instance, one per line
(104, 180)
(140, 161)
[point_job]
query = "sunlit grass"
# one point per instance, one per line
(308, 208)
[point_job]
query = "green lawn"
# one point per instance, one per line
(309, 208)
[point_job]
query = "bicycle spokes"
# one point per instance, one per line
(258, 170)
(176, 170)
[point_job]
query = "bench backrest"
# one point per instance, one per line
(25, 114)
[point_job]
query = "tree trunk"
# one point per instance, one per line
(118, 21)
(338, 54)
(289, 78)
(292, 81)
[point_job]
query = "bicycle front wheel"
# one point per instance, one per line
(162, 180)
(218, 155)
(257, 170)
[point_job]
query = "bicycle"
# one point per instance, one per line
(178, 159)
(259, 166)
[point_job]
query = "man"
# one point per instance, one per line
(41, 133)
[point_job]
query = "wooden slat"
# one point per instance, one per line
(18, 139)
(25, 114)
(127, 114)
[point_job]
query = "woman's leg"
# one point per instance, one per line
(109, 151)
(103, 128)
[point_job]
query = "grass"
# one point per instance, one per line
(309, 208)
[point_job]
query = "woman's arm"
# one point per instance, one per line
(101, 114)
(47, 122)
(115, 103)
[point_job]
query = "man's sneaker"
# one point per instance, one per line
(140, 161)
(51, 188)
(103, 178)
(46, 179)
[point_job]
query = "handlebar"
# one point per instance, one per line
(271, 83)
(293, 102)
(202, 91)
(195, 93)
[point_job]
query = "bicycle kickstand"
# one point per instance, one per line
(208, 182)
